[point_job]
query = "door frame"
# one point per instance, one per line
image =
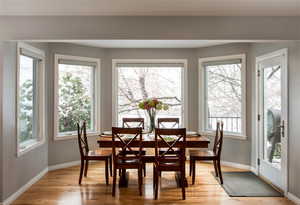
(285, 103)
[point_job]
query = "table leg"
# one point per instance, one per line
(123, 182)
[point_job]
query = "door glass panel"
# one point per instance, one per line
(271, 71)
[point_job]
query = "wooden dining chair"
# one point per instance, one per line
(165, 162)
(87, 155)
(131, 123)
(210, 155)
(126, 161)
(163, 123)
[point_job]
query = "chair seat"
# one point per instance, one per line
(128, 161)
(163, 150)
(199, 154)
(134, 151)
(99, 153)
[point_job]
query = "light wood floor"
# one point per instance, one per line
(61, 187)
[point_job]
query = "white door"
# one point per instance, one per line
(272, 117)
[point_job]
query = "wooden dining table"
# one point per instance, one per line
(192, 141)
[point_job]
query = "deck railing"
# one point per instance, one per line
(231, 124)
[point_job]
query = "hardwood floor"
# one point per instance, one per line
(61, 187)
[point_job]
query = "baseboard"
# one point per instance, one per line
(235, 165)
(63, 165)
(293, 198)
(24, 188)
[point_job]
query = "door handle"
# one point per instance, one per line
(282, 128)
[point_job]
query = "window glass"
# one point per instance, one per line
(27, 100)
(138, 82)
(75, 97)
(223, 84)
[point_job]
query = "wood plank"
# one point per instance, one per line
(61, 187)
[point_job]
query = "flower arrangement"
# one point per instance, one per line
(152, 106)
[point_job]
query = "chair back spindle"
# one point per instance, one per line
(218, 139)
(82, 139)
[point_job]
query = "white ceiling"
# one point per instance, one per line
(149, 43)
(152, 7)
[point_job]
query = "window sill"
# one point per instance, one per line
(226, 135)
(71, 136)
(28, 146)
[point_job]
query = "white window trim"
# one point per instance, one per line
(41, 98)
(97, 96)
(202, 114)
(184, 86)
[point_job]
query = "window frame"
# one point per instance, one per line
(202, 96)
(97, 94)
(39, 81)
(184, 84)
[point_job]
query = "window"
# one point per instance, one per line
(135, 80)
(30, 98)
(76, 95)
(223, 94)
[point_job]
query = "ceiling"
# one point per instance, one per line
(152, 7)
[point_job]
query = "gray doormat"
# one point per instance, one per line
(247, 184)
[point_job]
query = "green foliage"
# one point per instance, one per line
(74, 103)
(26, 111)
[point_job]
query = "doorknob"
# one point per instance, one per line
(282, 128)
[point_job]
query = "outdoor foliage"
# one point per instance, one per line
(26, 111)
(74, 103)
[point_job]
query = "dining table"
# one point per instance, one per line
(193, 140)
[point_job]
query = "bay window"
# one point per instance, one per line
(136, 80)
(76, 95)
(30, 98)
(222, 95)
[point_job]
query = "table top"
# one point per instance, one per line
(149, 141)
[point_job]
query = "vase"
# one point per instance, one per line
(152, 123)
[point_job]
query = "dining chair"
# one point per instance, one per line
(131, 123)
(163, 123)
(166, 162)
(209, 155)
(87, 155)
(124, 137)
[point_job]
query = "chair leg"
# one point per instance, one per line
(216, 168)
(81, 171)
(114, 182)
(106, 172)
(86, 168)
(144, 168)
(220, 172)
(140, 179)
(156, 183)
(183, 184)
(191, 167)
(110, 165)
(194, 171)
(154, 177)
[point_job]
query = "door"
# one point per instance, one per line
(272, 117)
